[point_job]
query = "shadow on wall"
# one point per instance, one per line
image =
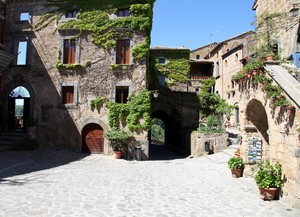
(256, 113)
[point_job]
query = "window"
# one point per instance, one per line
(123, 52)
(71, 13)
(197, 57)
(122, 94)
(236, 57)
(24, 16)
(124, 12)
(161, 60)
(67, 94)
(69, 52)
(21, 52)
(217, 69)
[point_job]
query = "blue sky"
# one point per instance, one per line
(194, 23)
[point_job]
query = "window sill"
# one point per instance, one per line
(120, 66)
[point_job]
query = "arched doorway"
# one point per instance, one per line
(92, 139)
(256, 113)
(18, 108)
(163, 140)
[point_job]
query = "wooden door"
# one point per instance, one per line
(92, 139)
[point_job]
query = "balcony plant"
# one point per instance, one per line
(236, 165)
(268, 179)
(119, 139)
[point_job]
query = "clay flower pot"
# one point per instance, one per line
(267, 193)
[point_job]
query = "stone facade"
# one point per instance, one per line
(228, 57)
(61, 124)
(286, 35)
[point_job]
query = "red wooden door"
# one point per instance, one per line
(92, 139)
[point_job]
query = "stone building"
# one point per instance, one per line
(176, 106)
(66, 55)
(274, 125)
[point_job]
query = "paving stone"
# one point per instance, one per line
(49, 185)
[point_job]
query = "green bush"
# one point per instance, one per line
(236, 163)
(268, 176)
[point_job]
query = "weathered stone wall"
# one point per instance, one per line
(64, 123)
(278, 132)
(204, 143)
(287, 32)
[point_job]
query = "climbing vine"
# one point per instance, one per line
(175, 69)
(135, 113)
(94, 16)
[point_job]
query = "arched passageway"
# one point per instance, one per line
(92, 139)
(162, 141)
(256, 113)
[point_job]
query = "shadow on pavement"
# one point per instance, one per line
(162, 152)
(13, 163)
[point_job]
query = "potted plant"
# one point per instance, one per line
(119, 139)
(236, 165)
(268, 179)
(31, 127)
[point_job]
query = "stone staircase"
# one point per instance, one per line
(9, 138)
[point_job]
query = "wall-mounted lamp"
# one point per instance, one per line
(155, 93)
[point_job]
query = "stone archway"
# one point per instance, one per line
(16, 90)
(256, 114)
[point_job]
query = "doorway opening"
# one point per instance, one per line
(157, 131)
(92, 139)
(18, 108)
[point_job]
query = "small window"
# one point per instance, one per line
(71, 13)
(161, 60)
(197, 57)
(123, 52)
(24, 16)
(217, 69)
(124, 12)
(67, 94)
(122, 93)
(21, 52)
(236, 57)
(69, 51)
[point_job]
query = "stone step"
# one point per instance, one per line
(9, 138)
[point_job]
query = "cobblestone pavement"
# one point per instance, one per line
(60, 183)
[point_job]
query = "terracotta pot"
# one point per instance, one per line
(117, 154)
(267, 193)
(237, 173)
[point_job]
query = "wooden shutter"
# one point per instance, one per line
(67, 94)
(69, 51)
(123, 52)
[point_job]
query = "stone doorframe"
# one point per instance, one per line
(10, 87)
(104, 126)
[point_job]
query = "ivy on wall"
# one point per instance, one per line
(94, 17)
(176, 68)
(135, 114)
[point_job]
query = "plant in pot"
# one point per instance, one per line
(236, 165)
(268, 179)
(119, 139)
